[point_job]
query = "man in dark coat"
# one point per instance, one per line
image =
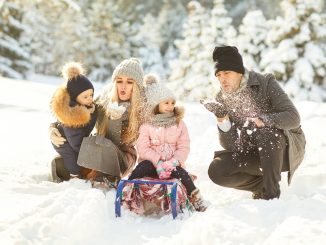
(259, 128)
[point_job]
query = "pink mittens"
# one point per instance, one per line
(164, 169)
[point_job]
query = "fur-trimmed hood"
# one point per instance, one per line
(179, 112)
(73, 117)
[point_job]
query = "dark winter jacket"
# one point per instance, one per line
(74, 123)
(264, 98)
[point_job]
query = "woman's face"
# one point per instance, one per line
(124, 87)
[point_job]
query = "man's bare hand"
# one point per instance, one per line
(221, 119)
(258, 122)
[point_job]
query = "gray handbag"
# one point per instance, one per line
(99, 153)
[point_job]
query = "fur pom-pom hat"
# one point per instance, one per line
(155, 91)
(77, 82)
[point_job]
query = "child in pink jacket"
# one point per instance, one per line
(163, 144)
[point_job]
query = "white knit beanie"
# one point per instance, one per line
(155, 91)
(131, 67)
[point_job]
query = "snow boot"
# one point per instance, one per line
(268, 196)
(58, 171)
(197, 201)
(105, 181)
(256, 195)
(265, 196)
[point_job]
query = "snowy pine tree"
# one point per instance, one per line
(130, 14)
(70, 32)
(38, 36)
(296, 54)
(222, 31)
(190, 78)
(14, 56)
(193, 73)
(55, 31)
(105, 46)
(251, 39)
(171, 17)
(218, 32)
(149, 39)
(91, 32)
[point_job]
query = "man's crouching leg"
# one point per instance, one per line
(239, 171)
(271, 144)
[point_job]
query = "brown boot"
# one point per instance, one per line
(91, 175)
(84, 172)
(197, 201)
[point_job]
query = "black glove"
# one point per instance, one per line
(215, 107)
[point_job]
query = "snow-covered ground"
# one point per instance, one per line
(34, 210)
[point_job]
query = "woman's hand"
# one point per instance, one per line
(115, 111)
(55, 136)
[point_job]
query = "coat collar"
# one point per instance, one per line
(74, 117)
(252, 80)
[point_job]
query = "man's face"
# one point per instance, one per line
(229, 80)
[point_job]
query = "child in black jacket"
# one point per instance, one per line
(72, 105)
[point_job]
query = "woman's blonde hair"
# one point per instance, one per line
(129, 134)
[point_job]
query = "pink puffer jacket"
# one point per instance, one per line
(159, 143)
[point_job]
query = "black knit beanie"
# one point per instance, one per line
(77, 85)
(227, 58)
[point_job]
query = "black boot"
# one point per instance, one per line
(58, 171)
(256, 195)
(267, 196)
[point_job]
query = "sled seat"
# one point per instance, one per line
(137, 182)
